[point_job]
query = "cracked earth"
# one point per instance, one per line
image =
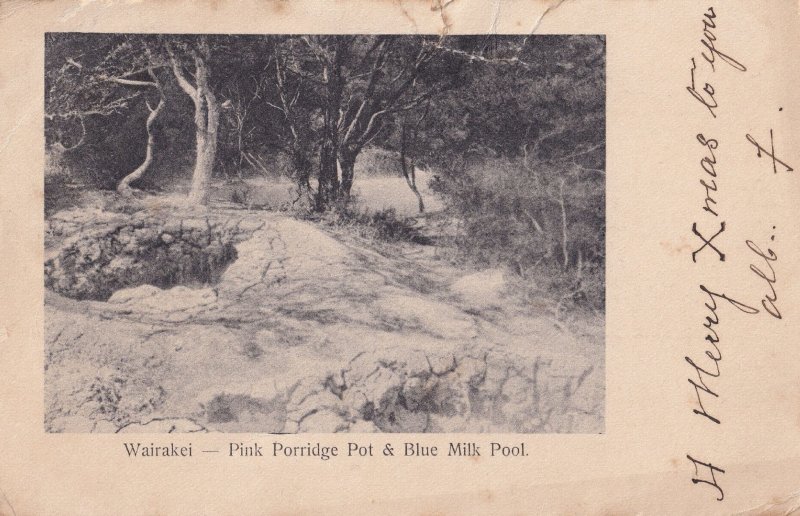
(305, 330)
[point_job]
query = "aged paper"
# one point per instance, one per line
(675, 393)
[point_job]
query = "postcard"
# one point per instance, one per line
(403, 257)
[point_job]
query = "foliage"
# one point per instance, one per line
(544, 223)
(512, 126)
(382, 225)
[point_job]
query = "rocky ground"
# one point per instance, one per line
(295, 328)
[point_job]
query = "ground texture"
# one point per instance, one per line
(294, 328)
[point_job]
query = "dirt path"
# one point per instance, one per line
(308, 332)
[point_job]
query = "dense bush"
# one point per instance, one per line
(547, 225)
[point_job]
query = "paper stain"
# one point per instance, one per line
(440, 5)
(279, 6)
(550, 8)
(407, 15)
(675, 249)
(3, 334)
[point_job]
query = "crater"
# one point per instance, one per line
(193, 253)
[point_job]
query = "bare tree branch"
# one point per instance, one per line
(179, 75)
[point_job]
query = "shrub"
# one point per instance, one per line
(546, 223)
(382, 225)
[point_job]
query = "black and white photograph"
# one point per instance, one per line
(324, 233)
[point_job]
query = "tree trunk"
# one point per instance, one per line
(410, 175)
(302, 170)
(411, 180)
(328, 176)
(301, 163)
(124, 186)
(329, 187)
(206, 121)
(206, 152)
(347, 160)
(206, 124)
(414, 189)
(203, 168)
(328, 160)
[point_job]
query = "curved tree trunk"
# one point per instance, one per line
(124, 185)
(413, 185)
(411, 181)
(409, 172)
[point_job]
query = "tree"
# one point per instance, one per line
(408, 140)
(360, 83)
(241, 97)
(101, 83)
(206, 110)
(124, 185)
(330, 53)
(392, 86)
(296, 115)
